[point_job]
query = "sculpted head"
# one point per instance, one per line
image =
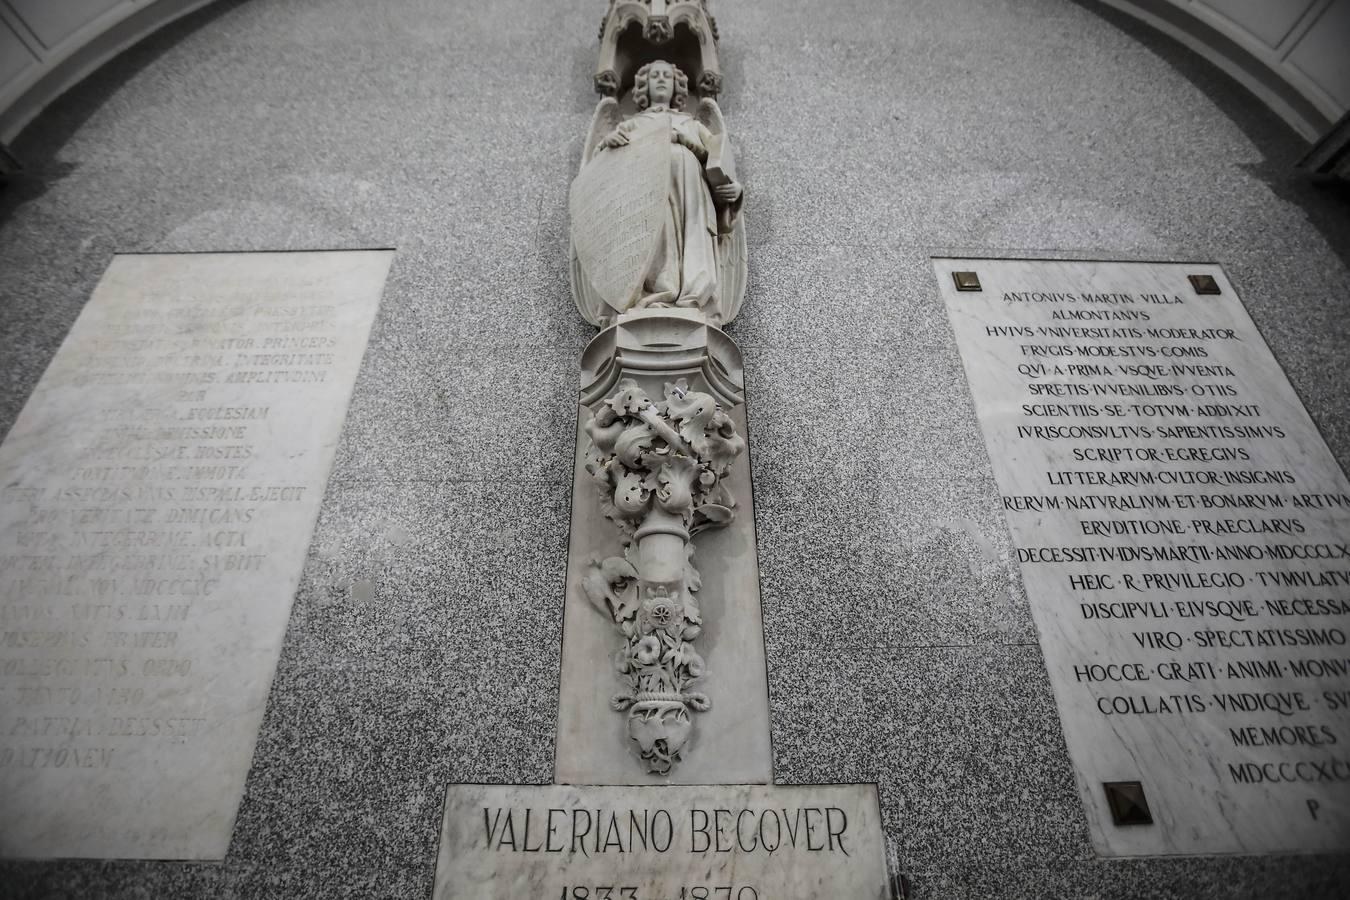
(660, 82)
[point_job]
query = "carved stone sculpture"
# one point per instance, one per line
(655, 208)
(659, 467)
(658, 262)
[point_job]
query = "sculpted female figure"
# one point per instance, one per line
(701, 204)
(655, 225)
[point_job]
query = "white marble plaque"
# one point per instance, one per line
(1184, 536)
(730, 842)
(157, 496)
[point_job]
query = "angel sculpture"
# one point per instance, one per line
(655, 210)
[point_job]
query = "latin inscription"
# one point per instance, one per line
(156, 498)
(1184, 535)
(618, 202)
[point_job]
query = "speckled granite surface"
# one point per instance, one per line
(423, 646)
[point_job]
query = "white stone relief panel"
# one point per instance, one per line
(732, 741)
(1184, 536)
(157, 496)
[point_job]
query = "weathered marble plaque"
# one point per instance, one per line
(731, 741)
(157, 496)
(618, 201)
(1184, 536)
(732, 842)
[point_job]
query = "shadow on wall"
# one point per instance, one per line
(37, 146)
(1326, 204)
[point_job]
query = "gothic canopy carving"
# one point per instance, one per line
(635, 32)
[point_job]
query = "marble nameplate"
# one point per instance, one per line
(731, 842)
(157, 496)
(1184, 536)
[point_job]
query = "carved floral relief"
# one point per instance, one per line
(659, 469)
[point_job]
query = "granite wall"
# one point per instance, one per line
(424, 643)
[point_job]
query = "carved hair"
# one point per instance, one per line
(640, 95)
